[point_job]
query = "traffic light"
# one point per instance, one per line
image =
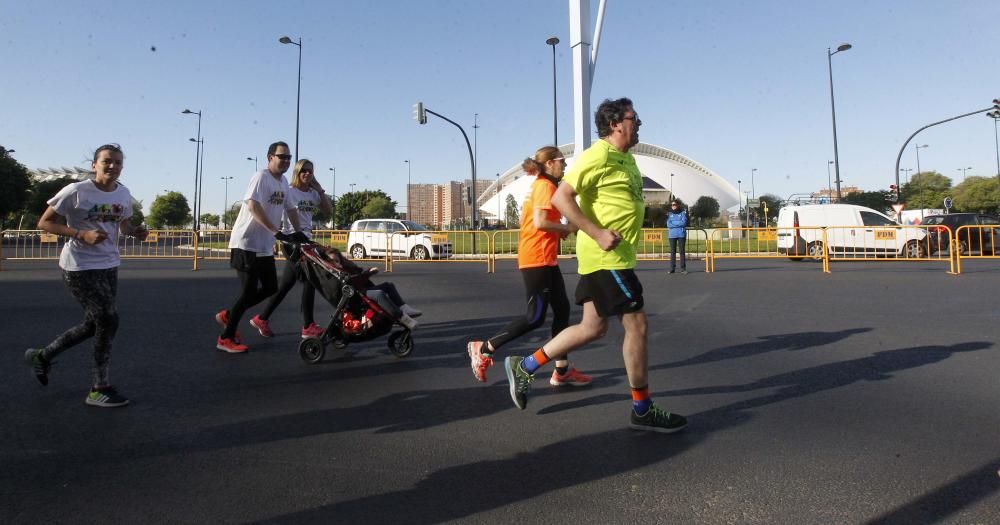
(893, 195)
(419, 114)
(468, 195)
(996, 103)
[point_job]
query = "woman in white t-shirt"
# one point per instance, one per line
(92, 213)
(307, 196)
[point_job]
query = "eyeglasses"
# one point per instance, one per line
(635, 118)
(284, 157)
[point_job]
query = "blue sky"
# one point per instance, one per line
(734, 85)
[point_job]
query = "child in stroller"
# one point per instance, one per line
(362, 310)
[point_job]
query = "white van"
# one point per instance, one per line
(851, 230)
(368, 238)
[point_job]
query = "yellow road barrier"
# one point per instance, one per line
(975, 241)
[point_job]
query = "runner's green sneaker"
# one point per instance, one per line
(657, 420)
(519, 380)
(107, 397)
(41, 365)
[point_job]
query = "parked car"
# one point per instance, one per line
(852, 230)
(369, 237)
(983, 240)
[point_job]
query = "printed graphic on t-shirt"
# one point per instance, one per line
(106, 213)
(278, 197)
(307, 206)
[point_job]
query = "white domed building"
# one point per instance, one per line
(664, 172)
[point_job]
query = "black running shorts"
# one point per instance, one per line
(613, 292)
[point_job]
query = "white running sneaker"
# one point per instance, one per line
(410, 311)
(408, 322)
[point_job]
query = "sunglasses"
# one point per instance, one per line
(635, 118)
(559, 159)
(284, 157)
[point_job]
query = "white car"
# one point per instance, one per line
(370, 237)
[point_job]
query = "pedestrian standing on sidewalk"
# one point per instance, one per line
(537, 258)
(308, 196)
(92, 214)
(677, 221)
(609, 215)
(251, 247)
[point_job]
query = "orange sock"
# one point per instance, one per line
(640, 399)
(535, 361)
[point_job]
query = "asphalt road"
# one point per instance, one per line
(868, 395)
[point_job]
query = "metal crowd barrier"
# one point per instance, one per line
(975, 241)
(836, 243)
(934, 243)
(887, 243)
(762, 243)
(439, 246)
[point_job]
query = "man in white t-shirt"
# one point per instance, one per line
(251, 246)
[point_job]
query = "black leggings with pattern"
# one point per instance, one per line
(95, 290)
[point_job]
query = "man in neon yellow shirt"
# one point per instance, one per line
(609, 216)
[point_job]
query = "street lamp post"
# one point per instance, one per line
(200, 180)
(409, 203)
(497, 193)
(833, 112)
(352, 185)
(963, 170)
(298, 94)
(254, 159)
(552, 41)
(225, 202)
(672, 186)
(419, 114)
(748, 214)
(739, 191)
(917, 149)
(197, 165)
(753, 191)
(906, 174)
(829, 183)
(995, 115)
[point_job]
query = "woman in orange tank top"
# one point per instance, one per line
(537, 259)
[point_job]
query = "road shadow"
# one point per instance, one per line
(765, 344)
(464, 490)
(946, 500)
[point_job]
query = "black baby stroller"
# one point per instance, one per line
(356, 317)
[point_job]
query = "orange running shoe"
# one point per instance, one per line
(262, 326)
(222, 318)
(573, 377)
(310, 331)
(230, 346)
(480, 361)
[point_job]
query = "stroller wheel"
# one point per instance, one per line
(311, 350)
(401, 343)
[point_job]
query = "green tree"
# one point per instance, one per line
(926, 190)
(138, 218)
(170, 210)
(15, 181)
(511, 216)
(876, 200)
(210, 219)
(378, 207)
(774, 204)
(704, 211)
(977, 194)
(349, 205)
(38, 197)
(229, 218)
(656, 216)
